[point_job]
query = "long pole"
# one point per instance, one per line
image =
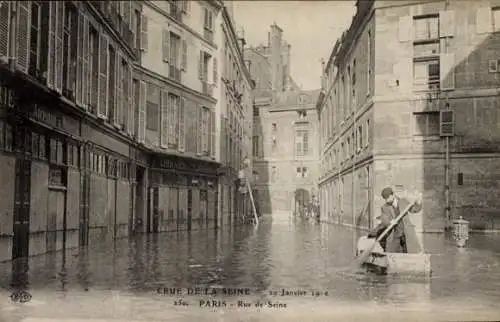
(249, 188)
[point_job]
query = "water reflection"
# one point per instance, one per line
(278, 254)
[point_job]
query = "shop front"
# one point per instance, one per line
(182, 194)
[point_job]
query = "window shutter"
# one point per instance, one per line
(130, 101)
(119, 90)
(216, 75)
(447, 123)
(144, 33)
(306, 142)
(405, 28)
(212, 131)
(102, 110)
(51, 54)
(117, 115)
(85, 66)
(126, 11)
(79, 61)
(185, 6)
(447, 71)
(23, 35)
(142, 113)
(4, 28)
(184, 55)
(166, 45)
(446, 23)
(200, 66)
(483, 20)
(59, 49)
(199, 130)
(164, 119)
(182, 125)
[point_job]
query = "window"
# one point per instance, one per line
(367, 141)
(426, 74)
(301, 142)
(369, 62)
(426, 50)
(274, 174)
(360, 138)
(124, 93)
(208, 24)
(175, 57)
(111, 85)
(173, 120)
(426, 27)
(256, 111)
(496, 19)
(94, 68)
(301, 172)
(426, 124)
(354, 147)
(274, 127)
(302, 114)
(136, 28)
(137, 91)
(70, 42)
(34, 62)
(152, 107)
(205, 129)
(255, 146)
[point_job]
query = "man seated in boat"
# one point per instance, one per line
(395, 241)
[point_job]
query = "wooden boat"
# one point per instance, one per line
(394, 263)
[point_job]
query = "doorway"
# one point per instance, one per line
(153, 220)
(21, 223)
(189, 209)
(139, 199)
(84, 207)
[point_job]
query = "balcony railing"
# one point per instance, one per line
(208, 34)
(175, 73)
(431, 83)
(207, 88)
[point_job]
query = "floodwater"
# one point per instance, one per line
(141, 279)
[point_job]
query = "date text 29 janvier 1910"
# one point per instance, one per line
(176, 291)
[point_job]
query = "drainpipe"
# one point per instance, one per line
(447, 151)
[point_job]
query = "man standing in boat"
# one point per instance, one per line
(395, 242)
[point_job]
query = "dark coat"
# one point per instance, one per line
(395, 241)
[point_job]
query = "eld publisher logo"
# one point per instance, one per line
(20, 297)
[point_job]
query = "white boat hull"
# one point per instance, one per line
(395, 263)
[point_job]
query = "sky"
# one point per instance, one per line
(310, 27)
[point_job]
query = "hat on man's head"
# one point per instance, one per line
(387, 192)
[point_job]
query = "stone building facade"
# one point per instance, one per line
(234, 113)
(285, 131)
(410, 100)
(108, 121)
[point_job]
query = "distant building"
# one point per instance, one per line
(285, 150)
(410, 100)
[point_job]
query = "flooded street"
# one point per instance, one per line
(133, 280)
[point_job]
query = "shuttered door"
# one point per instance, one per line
(4, 28)
(102, 110)
(142, 113)
(23, 35)
(59, 49)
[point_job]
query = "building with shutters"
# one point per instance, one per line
(108, 121)
(410, 100)
(285, 130)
